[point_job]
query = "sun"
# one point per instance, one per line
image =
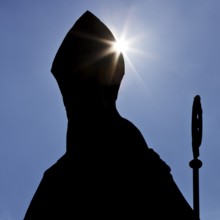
(121, 45)
(124, 44)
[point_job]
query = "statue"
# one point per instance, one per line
(108, 171)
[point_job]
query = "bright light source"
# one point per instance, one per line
(121, 46)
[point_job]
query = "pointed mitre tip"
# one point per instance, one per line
(88, 14)
(86, 21)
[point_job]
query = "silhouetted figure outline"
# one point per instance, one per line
(108, 171)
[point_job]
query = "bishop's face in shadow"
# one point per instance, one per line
(94, 91)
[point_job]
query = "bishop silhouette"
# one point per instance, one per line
(108, 171)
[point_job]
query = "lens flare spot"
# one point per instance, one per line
(121, 46)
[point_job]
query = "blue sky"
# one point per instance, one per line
(175, 56)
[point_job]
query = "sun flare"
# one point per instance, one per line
(125, 44)
(121, 45)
